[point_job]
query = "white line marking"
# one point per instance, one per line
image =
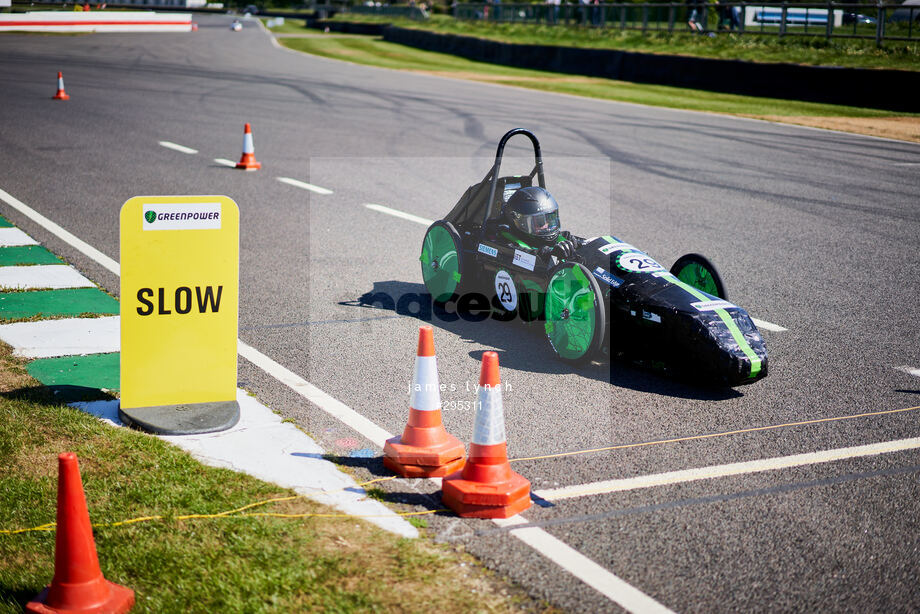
(54, 276)
(177, 147)
(400, 214)
(304, 185)
(776, 328)
(331, 406)
(907, 163)
(566, 557)
(225, 162)
(721, 471)
(85, 248)
(583, 568)
(50, 338)
(909, 370)
(13, 237)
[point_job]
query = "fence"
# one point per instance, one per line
(410, 12)
(881, 22)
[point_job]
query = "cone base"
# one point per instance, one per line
(408, 470)
(248, 163)
(447, 450)
(60, 96)
(121, 599)
(467, 492)
(471, 510)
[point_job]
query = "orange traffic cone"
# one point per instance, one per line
(487, 487)
(425, 449)
(78, 584)
(248, 160)
(61, 94)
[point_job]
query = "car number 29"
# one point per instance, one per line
(505, 290)
(638, 262)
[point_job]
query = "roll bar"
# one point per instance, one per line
(538, 166)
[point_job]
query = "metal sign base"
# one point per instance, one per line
(185, 419)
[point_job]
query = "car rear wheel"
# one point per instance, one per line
(574, 312)
(697, 271)
(442, 261)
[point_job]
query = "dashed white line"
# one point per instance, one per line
(177, 147)
(580, 566)
(400, 214)
(721, 471)
(909, 370)
(304, 185)
(907, 163)
(776, 328)
(225, 162)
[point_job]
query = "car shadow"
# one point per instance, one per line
(523, 346)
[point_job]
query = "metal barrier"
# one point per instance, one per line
(881, 22)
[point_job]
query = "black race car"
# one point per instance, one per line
(594, 298)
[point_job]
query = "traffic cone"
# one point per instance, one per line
(248, 160)
(61, 94)
(425, 449)
(78, 584)
(487, 487)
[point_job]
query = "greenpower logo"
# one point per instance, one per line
(150, 216)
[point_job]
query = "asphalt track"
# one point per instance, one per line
(818, 232)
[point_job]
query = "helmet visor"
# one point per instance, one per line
(540, 224)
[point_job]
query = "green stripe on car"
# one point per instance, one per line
(727, 320)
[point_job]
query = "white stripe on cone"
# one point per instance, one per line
(60, 83)
(426, 395)
(489, 428)
(247, 143)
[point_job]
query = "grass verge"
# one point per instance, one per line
(373, 51)
(231, 564)
(813, 50)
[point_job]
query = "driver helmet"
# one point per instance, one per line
(534, 214)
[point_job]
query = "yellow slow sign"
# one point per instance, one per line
(179, 300)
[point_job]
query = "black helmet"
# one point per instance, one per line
(533, 212)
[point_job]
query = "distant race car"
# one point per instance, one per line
(236, 26)
(594, 298)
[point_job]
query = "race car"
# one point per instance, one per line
(593, 298)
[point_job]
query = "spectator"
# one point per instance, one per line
(693, 19)
(736, 17)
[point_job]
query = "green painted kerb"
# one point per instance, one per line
(90, 371)
(53, 303)
(26, 254)
(5, 223)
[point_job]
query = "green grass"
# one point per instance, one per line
(290, 26)
(376, 52)
(232, 564)
(814, 50)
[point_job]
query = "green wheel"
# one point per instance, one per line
(442, 261)
(574, 312)
(697, 271)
